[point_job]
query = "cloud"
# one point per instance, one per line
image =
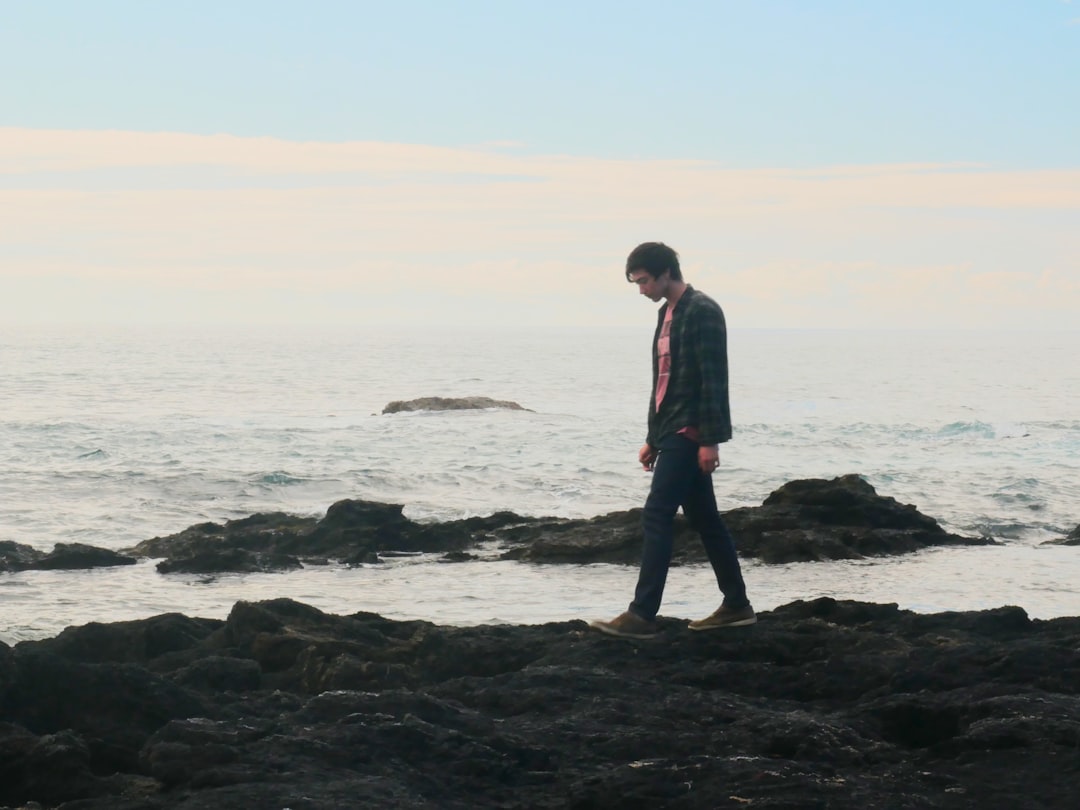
(278, 228)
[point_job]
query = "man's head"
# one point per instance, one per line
(654, 267)
(655, 258)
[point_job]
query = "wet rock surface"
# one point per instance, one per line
(450, 404)
(822, 704)
(814, 519)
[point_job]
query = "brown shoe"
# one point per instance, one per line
(626, 625)
(725, 617)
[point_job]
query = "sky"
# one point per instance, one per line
(816, 163)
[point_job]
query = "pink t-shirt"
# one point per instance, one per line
(663, 370)
(663, 357)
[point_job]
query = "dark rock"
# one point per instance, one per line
(221, 674)
(70, 556)
(139, 641)
(839, 705)
(815, 519)
(1071, 539)
(450, 404)
(17, 556)
(842, 518)
(614, 537)
(457, 556)
(64, 556)
(258, 533)
(236, 560)
(352, 532)
(49, 769)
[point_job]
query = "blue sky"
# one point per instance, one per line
(816, 163)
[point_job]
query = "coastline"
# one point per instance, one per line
(505, 569)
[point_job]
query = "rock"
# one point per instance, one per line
(450, 404)
(814, 519)
(70, 556)
(352, 532)
(259, 532)
(64, 556)
(841, 518)
(17, 556)
(50, 768)
(1071, 539)
(827, 704)
(236, 560)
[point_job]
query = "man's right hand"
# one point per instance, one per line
(647, 456)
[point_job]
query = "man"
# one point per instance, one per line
(689, 416)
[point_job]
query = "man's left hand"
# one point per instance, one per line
(708, 458)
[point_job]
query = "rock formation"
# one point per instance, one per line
(812, 519)
(450, 404)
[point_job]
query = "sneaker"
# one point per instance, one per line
(626, 625)
(724, 616)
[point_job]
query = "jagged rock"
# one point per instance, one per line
(450, 404)
(844, 705)
(811, 519)
(841, 518)
(352, 532)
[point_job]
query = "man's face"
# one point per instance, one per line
(652, 288)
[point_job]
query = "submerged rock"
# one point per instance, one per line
(450, 404)
(821, 704)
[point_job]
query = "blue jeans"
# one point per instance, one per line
(678, 481)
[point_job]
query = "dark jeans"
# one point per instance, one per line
(678, 481)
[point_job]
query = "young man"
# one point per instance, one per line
(689, 416)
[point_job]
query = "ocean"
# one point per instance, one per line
(110, 436)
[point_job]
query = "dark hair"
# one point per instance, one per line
(654, 258)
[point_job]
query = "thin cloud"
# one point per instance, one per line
(375, 222)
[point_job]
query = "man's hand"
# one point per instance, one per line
(708, 458)
(647, 456)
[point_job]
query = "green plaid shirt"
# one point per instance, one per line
(697, 391)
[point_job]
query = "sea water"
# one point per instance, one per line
(110, 436)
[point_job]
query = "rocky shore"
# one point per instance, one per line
(822, 704)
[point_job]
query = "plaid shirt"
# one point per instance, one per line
(697, 392)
